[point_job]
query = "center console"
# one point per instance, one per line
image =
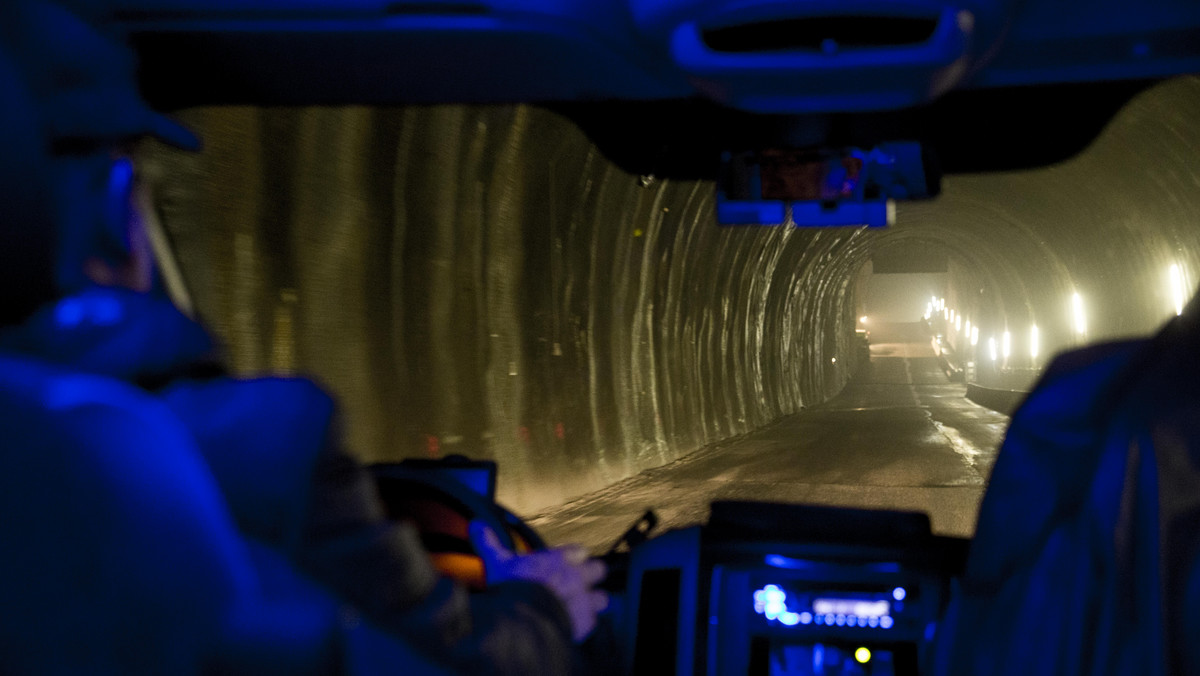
(789, 590)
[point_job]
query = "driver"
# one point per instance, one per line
(270, 443)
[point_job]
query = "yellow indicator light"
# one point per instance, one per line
(862, 655)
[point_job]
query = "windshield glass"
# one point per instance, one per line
(482, 280)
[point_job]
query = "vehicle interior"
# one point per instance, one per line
(740, 294)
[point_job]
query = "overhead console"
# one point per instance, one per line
(769, 589)
(821, 56)
(794, 57)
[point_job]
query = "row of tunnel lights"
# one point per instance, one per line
(1004, 348)
(1078, 319)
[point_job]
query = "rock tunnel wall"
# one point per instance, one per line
(480, 280)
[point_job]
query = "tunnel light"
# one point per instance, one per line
(945, 314)
(992, 348)
(1033, 342)
(1077, 314)
(1177, 288)
(1006, 344)
(974, 336)
(968, 328)
(862, 319)
(958, 323)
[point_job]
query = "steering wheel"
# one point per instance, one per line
(442, 510)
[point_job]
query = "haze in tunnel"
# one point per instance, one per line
(482, 280)
(897, 298)
(899, 436)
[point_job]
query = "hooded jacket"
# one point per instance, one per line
(1086, 556)
(271, 445)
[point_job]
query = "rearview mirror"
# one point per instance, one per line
(820, 187)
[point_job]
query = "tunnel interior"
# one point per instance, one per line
(483, 280)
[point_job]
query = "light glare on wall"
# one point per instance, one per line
(1077, 314)
(1177, 288)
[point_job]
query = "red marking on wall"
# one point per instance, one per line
(433, 446)
(523, 432)
(560, 432)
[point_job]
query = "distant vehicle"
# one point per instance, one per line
(862, 345)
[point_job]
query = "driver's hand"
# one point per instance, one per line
(566, 571)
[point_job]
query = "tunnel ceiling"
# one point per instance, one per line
(483, 280)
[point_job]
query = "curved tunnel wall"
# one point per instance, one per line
(1108, 225)
(480, 280)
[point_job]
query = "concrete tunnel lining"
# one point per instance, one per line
(482, 280)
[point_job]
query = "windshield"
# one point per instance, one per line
(482, 280)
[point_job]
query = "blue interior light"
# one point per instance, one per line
(899, 593)
(771, 602)
(885, 622)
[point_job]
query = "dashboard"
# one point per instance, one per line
(765, 589)
(789, 590)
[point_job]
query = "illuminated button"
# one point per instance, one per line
(885, 622)
(851, 620)
(770, 601)
(862, 621)
(899, 593)
(874, 621)
(819, 619)
(806, 618)
(863, 655)
(790, 619)
(829, 620)
(841, 620)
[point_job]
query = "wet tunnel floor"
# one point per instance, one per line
(899, 436)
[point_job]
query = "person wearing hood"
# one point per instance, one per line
(308, 509)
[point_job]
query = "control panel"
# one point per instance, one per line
(790, 590)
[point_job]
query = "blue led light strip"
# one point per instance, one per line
(771, 603)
